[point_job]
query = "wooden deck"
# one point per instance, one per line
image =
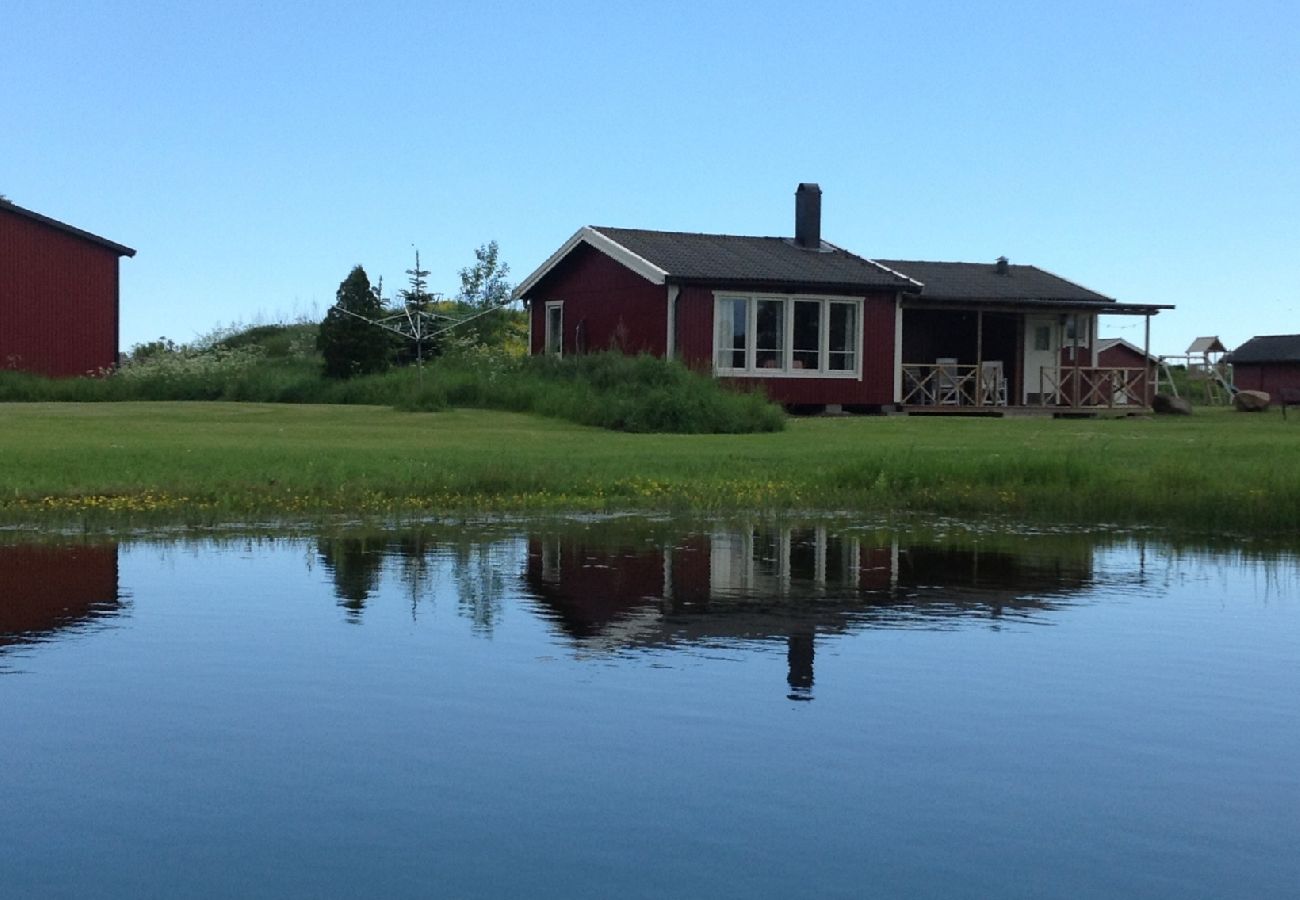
(949, 388)
(1031, 411)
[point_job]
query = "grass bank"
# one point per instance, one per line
(142, 463)
(608, 390)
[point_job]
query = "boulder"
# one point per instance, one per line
(1250, 401)
(1171, 406)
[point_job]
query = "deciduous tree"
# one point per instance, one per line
(483, 288)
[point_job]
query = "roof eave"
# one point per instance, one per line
(119, 249)
(795, 285)
(1112, 307)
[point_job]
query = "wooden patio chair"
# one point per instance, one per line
(993, 384)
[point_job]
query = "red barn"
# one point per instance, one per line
(1269, 363)
(59, 295)
(815, 325)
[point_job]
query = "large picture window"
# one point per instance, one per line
(775, 335)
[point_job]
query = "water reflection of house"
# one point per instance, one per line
(789, 584)
(47, 588)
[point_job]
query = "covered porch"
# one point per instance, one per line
(1004, 358)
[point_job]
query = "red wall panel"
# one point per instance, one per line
(1121, 357)
(58, 300)
(1272, 378)
(613, 305)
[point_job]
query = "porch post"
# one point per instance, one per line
(898, 347)
(1147, 394)
(670, 334)
(1075, 398)
(979, 357)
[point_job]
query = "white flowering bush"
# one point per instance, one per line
(188, 362)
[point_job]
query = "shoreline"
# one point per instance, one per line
(198, 464)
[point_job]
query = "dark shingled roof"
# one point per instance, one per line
(1272, 348)
(736, 259)
(117, 248)
(982, 281)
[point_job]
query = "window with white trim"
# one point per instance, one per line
(733, 333)
(780, 335)
(1077, 323)
(555, 327)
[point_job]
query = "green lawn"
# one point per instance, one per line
(115, 463)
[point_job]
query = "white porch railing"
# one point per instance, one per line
(1092, 387)
(950, 384)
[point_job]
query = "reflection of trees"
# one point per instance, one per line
(415, 569)
(354, 564)
(481, 570)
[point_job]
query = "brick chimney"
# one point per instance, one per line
(808, 216)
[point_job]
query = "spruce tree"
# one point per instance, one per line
(350, 344)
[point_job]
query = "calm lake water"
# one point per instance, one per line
(623, 709)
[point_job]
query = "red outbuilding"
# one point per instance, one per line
(59, 296)
(1269, 363)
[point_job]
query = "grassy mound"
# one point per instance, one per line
(278, 364)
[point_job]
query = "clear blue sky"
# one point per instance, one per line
(253, 152)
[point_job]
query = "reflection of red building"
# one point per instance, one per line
(43, 588)
(781, 584)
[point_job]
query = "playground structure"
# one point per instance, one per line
(1205, 368)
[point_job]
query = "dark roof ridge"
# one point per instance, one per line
(120, 249)
(699, 256)
(716, 234)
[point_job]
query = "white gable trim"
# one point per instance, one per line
(609, 247)
(881, 266)
(1104, 344)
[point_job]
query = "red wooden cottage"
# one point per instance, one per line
(816, 325)
(1269, 363)
(59, 295)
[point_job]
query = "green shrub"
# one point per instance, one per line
(606, 390)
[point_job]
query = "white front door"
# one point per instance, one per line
(1042, 350)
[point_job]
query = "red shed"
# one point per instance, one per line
(59, 296)
(816, 325)
(1269, 363)
(1117, 353)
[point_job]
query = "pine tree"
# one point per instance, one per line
(350, 344)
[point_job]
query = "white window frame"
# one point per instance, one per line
(546, 328)
(751, 370)
(1073, 321)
